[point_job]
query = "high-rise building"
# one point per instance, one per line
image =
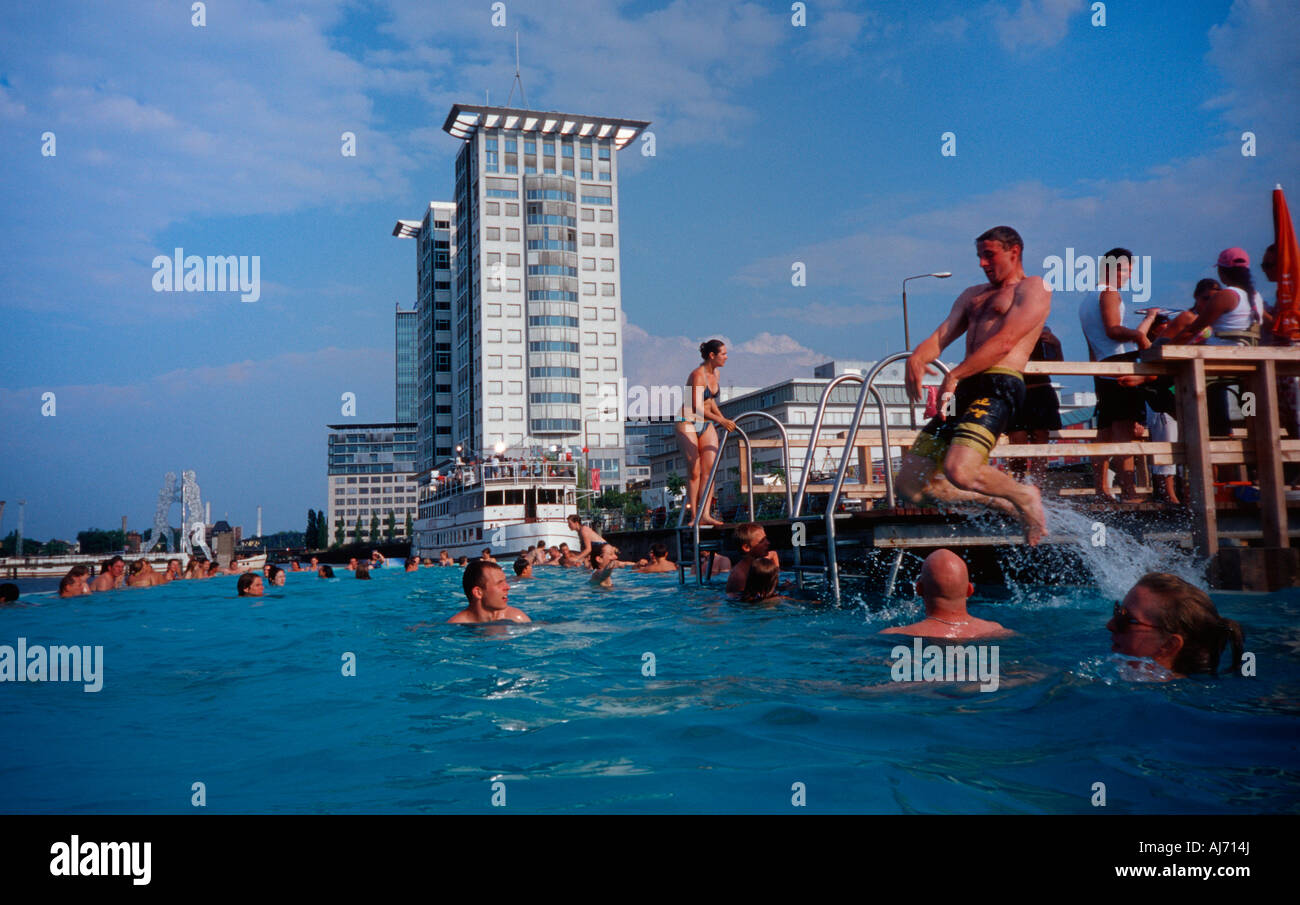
(407, 356)
(435, 245)
(537, 310)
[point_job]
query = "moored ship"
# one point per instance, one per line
(504, 505)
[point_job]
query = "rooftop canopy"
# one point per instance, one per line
(465, 119)
(407, 229)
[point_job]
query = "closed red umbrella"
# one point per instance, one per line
(1286, 316)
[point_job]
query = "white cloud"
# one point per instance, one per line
(766, 358)
(1034, 24)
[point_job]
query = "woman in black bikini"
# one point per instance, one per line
(696, 435)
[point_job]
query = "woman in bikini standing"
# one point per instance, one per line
(696, 435)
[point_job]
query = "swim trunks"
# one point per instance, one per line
(986, 405)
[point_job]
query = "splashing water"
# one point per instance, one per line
(1115, 558)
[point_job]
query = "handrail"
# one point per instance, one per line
(832, 561)
(785, 462)
(704, 495)
(804, 473)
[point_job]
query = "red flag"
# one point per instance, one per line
(1286, 316)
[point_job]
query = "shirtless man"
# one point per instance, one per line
(110, 575)
(944, 586)
(753, 541)
(586, 534)
(658, 561)
(1002, 320)
(487, 592)
(143, 575)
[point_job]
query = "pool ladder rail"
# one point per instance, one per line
(691, 547)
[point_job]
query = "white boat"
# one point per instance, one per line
(248, 563)
(505, 506)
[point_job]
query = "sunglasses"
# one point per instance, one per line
(1124, 621)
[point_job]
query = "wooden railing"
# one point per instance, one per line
(1257, 368)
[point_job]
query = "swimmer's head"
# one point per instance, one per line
(752, 538)
(485, 584)
(603, 555)
(325, 571)
(249, 585)
(8, 593)
(1166, 619)
(276, 575)
(944, 576)
(523, 568)
(761, 581)
(658, 551)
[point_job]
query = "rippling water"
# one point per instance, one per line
(201, 686)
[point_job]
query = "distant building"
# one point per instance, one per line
(407, 374)
(133, 541)
(372, 471)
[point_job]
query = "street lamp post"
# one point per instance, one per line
(907, 336)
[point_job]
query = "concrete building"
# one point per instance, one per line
(372, 471)
(537, 296)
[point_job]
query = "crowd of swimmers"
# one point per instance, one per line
(1163, 620)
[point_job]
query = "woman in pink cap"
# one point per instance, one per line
(1233, 314)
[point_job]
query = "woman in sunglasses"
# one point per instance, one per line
(1175, 624)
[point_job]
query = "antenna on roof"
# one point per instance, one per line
(518, 79)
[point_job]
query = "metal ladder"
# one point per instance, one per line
(695, 545)
(831, 569)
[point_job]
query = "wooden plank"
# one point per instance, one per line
(1268, 456)
(1194, 430)
(1166, 352)
(1096, 368)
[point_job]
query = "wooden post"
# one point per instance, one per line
(1194, 431)
(1264, 429)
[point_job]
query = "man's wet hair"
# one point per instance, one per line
(1004, 234)
(245, 582)
(474, 576)
(327, 569)
(1116, 254)
(658, 550)
(520, 565)
(747, 533)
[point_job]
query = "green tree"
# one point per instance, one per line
(374, 527)
(338, 532)
(675, 483)
(30, 547)
(55, 548)
(358, 531)
(410, 527)
(94, 541)
(390, 527)
(312, 530)
(322, 538)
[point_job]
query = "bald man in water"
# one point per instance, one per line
(944, 586)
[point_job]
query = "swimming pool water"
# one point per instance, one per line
(202, 686)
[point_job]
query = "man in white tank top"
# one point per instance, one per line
(1119, 408)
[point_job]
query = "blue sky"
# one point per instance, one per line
(774, 144)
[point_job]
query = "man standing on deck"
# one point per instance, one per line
(1002, 320)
